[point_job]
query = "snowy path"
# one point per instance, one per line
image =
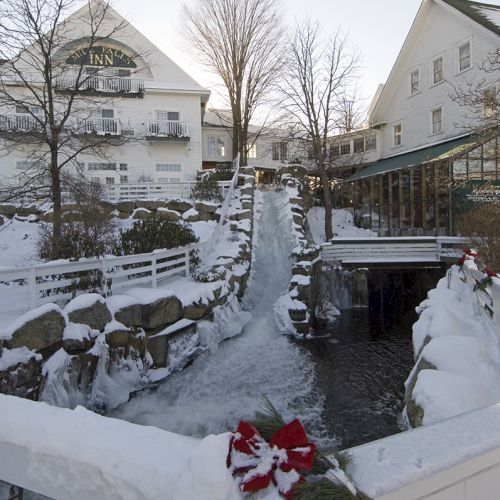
(218, 390)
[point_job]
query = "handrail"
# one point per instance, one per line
(58, 280)
(207, 248)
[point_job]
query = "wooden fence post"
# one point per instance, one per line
(188, 271)
(154, 280)
(33, 300)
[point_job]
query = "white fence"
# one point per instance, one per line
(152, 190)
(30, 287)
(168, 128)
(412, 249)
(101, 84)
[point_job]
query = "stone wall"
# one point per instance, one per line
(88, 348)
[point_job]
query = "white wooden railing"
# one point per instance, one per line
(410, 249)
(207, 248)
(101, 84)
(58, 281)
(102, 126)
(19, 123)
(168, 129)
(152, 190)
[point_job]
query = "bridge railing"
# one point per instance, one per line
(393, 249)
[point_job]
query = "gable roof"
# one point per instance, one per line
(485, 14)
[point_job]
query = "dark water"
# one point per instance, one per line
(361, 364)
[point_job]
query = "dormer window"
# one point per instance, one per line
(464, 56)
(415, 82)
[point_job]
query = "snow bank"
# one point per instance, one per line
(76, 454)
(83, 301)
(461, 342)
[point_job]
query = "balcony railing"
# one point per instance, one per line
(19, 123)
(108, 85)
(168, 130)
(102, 126)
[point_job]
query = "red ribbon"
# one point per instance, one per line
(470, 252)
(490, 273)
(278, 461)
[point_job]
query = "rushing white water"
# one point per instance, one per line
(218, 390)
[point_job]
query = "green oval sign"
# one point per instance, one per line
(101, 56)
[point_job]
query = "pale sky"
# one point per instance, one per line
(376, 27)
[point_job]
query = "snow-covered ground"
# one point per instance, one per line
(219, 390)
(18, 244)
(464, 348)
(343, 225)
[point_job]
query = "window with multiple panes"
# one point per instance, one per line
(123, 167)
(26, 110)
(169, 180)
(464, 57)
(93, 166)
(123, 179)
(163, 116)
(252, 150)
(359, 145)
(437, 70)
(437, 120)
(398, 134)
(215, 146)
(345, 148)
(25, 164)
(168, 167)
(280, 151)
(415, 81)
(371, 143)
(491, 102)
(334, 150)
(110, 180)
(107, 113)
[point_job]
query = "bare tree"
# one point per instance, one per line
(317, 77)
(240, 41)
(350, 111)
(51, 68)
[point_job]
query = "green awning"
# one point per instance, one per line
(437, 152)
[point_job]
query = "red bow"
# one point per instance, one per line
(490, 273)
(470, 252)
(461, 260)
(278, 461)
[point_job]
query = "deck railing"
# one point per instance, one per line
(168, 129)
(101, 84)
(61, 281)
(19, 123)
(102, 126)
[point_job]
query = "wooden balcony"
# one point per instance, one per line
(102, 86)
(168, 130)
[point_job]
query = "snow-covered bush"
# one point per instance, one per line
(154, 233)
(207, 188)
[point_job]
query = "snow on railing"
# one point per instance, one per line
(168, 129)
(394, 249)
(101, 84)
(19, 123)
(207, 248)
(486, 292)
(60, 281)
(154, 190)
(102, 126)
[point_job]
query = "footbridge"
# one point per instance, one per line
(393, 252)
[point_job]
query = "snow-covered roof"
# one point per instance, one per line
(483, 13)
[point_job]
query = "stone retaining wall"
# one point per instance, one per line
(140, 331)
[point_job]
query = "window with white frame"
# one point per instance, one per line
(252, 150)
(464, 56)
(415, 81)
(398, 134)
(168, 167)
(123, 167)
(437, 70)
(334, 150)
(25, 164)
(123, 179)
(437, 120)
(215, 146)
(96, 166)
(345, 148)
(28, 110)
(371, 143)
(107, 113)
(359, 145)
(169, 180)
(279, 151)
(164, 116)
(110, 180)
